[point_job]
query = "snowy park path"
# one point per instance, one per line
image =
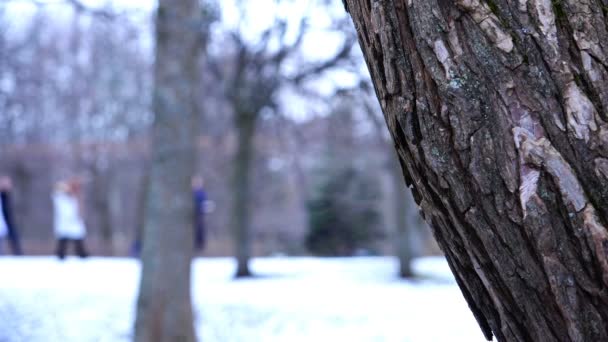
(293, 299)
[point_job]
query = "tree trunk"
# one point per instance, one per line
(164, 309)
(407, 223)
(245, 125)
(498, 110)
(101, 188)
(140, 214)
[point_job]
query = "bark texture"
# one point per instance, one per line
(499, 112)
(164, 309)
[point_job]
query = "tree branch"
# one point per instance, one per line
(342, 55)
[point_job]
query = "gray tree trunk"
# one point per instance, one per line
(140, 215)
(245, 124)
(405, 217)
(164, 309)
(407, 223)
(498, 110)
(101, 188)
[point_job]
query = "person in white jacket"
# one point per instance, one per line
(68, 222)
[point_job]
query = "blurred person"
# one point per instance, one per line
(200, 201)
(3, 231)
(7, 224)
(68, 217)
(135, 249)
(201, 206)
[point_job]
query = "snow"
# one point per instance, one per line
(292, 299)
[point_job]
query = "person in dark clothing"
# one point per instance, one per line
(135, 249)
(200, 200)
(7, 213)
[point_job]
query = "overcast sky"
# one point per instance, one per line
(258, 15)
(250, 17)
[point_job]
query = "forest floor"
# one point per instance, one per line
(291, 299)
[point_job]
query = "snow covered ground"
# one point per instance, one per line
(293, 299)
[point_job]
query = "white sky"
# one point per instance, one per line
(320, 41)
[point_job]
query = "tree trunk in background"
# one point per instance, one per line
(164, 309)
(243, 168)
(407, 223)
(101, 204)
(498, 110)
(140, 216)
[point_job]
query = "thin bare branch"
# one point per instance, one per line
(341, 56)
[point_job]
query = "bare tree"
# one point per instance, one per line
(252, 85)
(498, 110)
(164, 308)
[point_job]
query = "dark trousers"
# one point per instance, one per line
(13, 241)
(200, 237)
(79, 247)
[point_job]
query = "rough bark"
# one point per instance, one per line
(498, 110)
(164, 309)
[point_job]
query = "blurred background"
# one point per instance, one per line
(75, 98)
(76, 83)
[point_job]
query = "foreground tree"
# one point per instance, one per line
(164, 309)
(498, 110)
